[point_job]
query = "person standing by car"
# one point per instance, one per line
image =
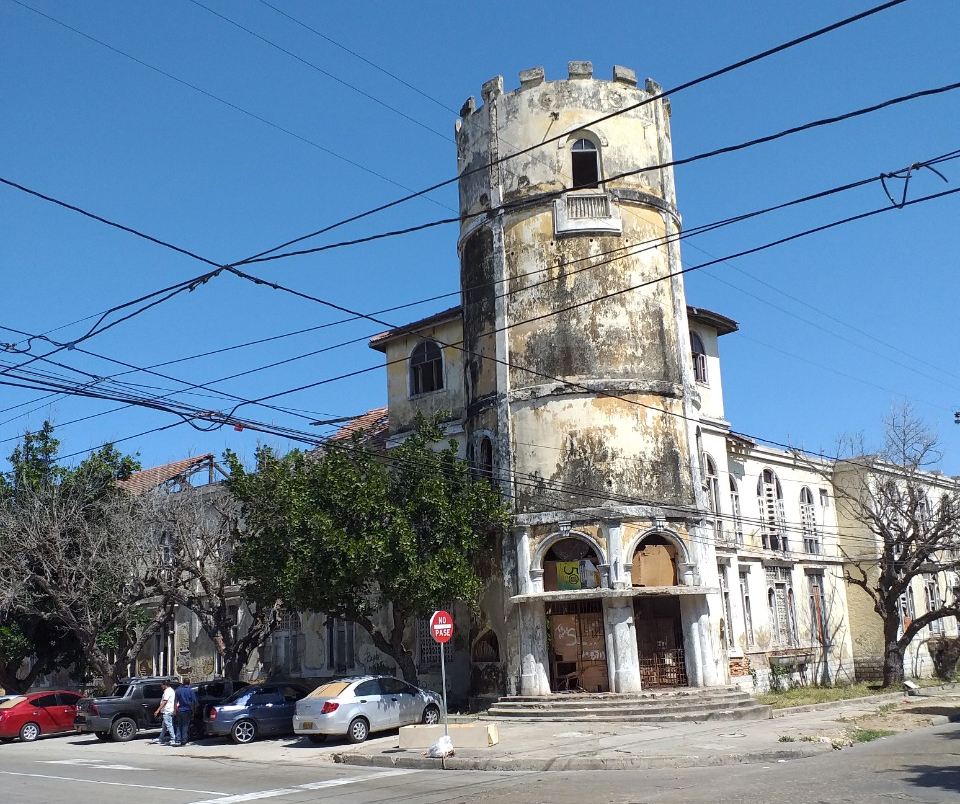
(185, 705)
(167, 737)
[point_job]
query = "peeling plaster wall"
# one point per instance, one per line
(549, 398)
(403, 406)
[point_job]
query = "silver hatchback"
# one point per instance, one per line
(354, 707)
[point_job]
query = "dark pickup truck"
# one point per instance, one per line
(121, 715)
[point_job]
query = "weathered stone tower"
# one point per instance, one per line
(580, 390)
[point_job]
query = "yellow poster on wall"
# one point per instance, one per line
(568, 575)
(577, 575)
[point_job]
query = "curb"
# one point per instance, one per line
(580, 762)
(827, 706)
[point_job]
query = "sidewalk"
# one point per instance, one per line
(790, 734)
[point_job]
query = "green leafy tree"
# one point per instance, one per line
(373, 538)
(84, 564)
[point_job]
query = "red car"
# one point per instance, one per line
(34, 713)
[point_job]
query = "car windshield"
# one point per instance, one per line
(330, 690)
(11, 702)
(120, 690)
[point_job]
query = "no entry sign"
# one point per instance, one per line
(441, 626)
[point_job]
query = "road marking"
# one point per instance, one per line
(91, 763)
(286, 791)
(112, 784)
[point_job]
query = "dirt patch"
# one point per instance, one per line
(906, 715)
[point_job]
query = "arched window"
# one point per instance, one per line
(711, 485)
(571, 563)
(735, 508)
(699, 358)
(426, 368)
(808, 521)
(585, 164)
(770, 499)
(486, 458)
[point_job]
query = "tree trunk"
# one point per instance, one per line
(892, 653)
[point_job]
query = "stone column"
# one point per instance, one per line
(618, 576)
(702, 650)
(623, 662)
(534, 675)
(522, 540)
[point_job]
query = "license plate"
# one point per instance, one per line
(307, 724)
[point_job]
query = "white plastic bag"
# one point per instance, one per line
(441, 748)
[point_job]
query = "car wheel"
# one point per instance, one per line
(123, 729)
(358, 731)
(29, 732)
(317, 738)
(431, 715)
(102, 735)
(243, 732)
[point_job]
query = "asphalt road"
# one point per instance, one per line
(921, 766)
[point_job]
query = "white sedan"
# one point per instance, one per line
(355, 707)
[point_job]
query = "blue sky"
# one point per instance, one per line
(836, 328)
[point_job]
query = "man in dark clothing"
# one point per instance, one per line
(185, 705)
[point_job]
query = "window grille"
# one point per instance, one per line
(735, 507)
(770, 499)
(428, 649)
(931, 593)
(808, 520)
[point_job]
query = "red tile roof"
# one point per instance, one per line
(373, 423)
(148, 479)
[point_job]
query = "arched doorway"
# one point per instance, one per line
(657, 616)
(575, 637)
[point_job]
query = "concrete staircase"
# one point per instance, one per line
(668, 706)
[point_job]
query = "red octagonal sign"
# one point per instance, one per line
(441, 626)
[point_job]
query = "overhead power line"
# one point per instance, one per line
(509, 206)
(654, 97)
(576, 305)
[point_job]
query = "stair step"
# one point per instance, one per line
(753, 713)
(505, 711)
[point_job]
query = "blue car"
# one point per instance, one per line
(260, 709)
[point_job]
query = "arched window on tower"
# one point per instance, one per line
(426, 368)
(585, 165)
(699, 358)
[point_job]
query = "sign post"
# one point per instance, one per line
(441, 628)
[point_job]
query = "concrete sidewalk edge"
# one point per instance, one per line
(581, 762)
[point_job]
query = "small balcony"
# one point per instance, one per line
(586, 213)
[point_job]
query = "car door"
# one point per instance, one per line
(65, 710)
(392, 700)
(42, 710)
(372, 704)
(408, 706)
(265, 708)
(150, 695)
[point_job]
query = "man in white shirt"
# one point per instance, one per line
(167, 736)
